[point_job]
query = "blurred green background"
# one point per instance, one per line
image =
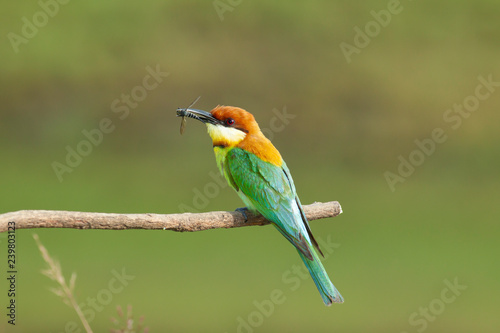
(394, 248)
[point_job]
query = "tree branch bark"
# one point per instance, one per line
(29, 219)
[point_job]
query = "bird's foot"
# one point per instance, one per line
(245, 212)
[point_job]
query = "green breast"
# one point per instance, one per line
(221, 158)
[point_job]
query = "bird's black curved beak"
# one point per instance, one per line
(203, 116)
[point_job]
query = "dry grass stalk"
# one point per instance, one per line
(64, 290)
(128, 322)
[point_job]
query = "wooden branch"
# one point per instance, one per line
(29, 219)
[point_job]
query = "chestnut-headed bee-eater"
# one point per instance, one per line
(254, 168)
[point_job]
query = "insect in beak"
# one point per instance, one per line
(183, 124)
(183, 113)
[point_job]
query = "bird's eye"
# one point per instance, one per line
(229, 121)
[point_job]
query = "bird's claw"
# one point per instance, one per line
(244, 211)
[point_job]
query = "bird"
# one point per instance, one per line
(255, 169)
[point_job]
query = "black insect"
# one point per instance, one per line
(181, 112)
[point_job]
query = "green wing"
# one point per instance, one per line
(270, 190)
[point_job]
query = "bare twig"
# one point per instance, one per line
(29, 219)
